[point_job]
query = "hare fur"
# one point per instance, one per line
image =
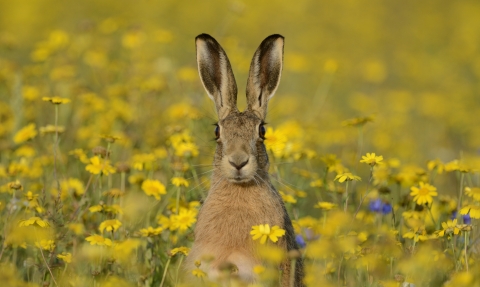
(241, 194)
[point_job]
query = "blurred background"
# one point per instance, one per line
(412, 66)
(397, 78)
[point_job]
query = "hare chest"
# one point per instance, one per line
(224, 223)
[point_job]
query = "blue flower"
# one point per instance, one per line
(466, 218)
(387, 208)
(376, 205)
(379, 206)
(300, 241)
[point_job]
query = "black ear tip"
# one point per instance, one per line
(275, 36)
(272, 39)
(204, 37)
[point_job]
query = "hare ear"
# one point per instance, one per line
(216, 74)
(265, 72)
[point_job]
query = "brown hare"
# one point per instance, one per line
(241, 194)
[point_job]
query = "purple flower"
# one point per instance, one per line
(466, 217)
(376, 205)
(379, 206)
(387, 208)
(300, 241)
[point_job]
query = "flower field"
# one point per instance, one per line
(107, 140)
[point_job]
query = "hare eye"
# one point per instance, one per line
(217, 132)
(261, 131)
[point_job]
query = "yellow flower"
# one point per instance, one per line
(98, 240)
(330, 160)
(97, 166)
(347, 176)
(456, 165)
(473, 210)
(437, 165)
(473, 192)
(179, 181)
(51, 129)
(153, 188)
(186, 150)
(79, 154)
(26, 133)
(144, 161)
(184, 220)
(316, 183)
(69, 186)
(110, 225)
(110, 138)
(31, 196)
(32, 221)
(301, 193)
(325, 205)
(25, 151)
(183, 144)
(416, 236)
(30, 93)
(372, 159)
(462, 279)
(423, 194)
(16, 185)
(360, 121)
(66, 257)
(95, 208)
(46, 244)
(263, 231)
(183, 110)
(197, 272)
(449, 227)
(288, 197)
(165, 222)
(114, 192)
(150, 231)
(275, 141)
(56, 100)
(181, 249)
(124, 249)
(77, 228)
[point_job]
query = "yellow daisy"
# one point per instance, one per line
(263, 231)
(347, 176)
(424, 193)
(372, 159)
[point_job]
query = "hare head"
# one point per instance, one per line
(241, 155)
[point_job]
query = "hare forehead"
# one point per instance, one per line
(241, 124)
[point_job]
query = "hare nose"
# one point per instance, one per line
(237, 165)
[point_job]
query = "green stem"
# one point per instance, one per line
(366, 193)
(177, 205)
(346, 197)
(292, 272)
(431, 216)
(165, 272)
(55, 150)
(360, 143)
(460, 197)
(454, 257)
(178, 269)
(465, 249)
(194, 173)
